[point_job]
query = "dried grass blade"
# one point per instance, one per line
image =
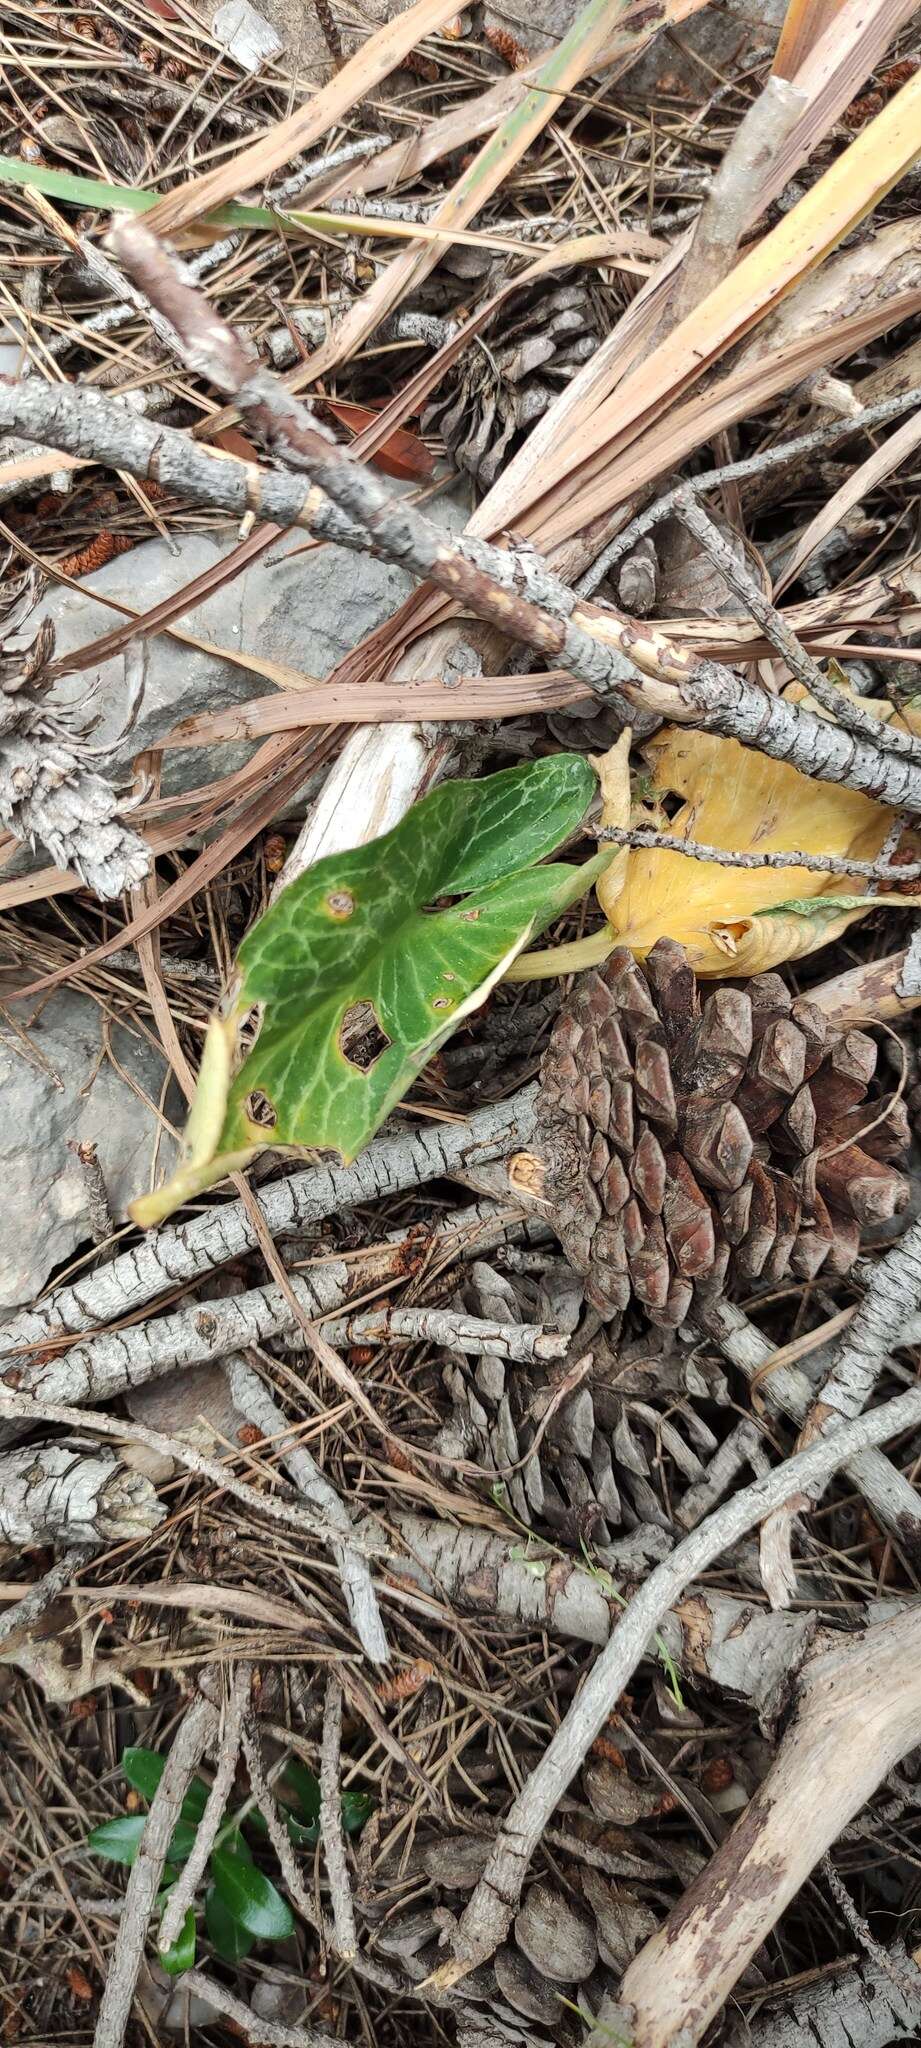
(380, 55)
(830, 75)
(849, 190)
(804, 23)
(465, 124)
(575, 56)
(365, 703)
(880, 464)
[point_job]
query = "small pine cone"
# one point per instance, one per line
(483, 408)
(701, 1145)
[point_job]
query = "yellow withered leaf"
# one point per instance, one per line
(739, 800)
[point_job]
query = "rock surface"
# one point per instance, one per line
(308, 611)
(59, 1085)
(724, 36)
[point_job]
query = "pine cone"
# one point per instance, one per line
(691, 1145)
(504, 384)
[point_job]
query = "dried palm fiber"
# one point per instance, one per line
(689, 1145)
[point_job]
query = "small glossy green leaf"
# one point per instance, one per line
(181, 1956)
(250, 1898)
(144, 1768)
(356, 1808)
(297, 1779)
(120, 1839)
(228, 1937)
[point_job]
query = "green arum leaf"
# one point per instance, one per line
(250, 1898)
(120, 1839)
(229, 1939)
(143, 1769)
(181, 1956)
(360, 973)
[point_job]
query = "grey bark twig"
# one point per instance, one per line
(781, 636)
(278, 1833)
(229, 1737)
(248, 2024)
(50, 1491)
(195, 1734)
(108, 1364)
(37, 1597)
(331, 1828)
(739, 472)
(694, 849)
(185, 1252)
(855, 2008)
(252, 1397)
(626, 662)
(486, 1919)
(891, 1497)
(892, 1298)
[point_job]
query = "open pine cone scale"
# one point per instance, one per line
(691, 1144)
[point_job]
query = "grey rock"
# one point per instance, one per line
(246, 34)
(307, 610)
(720, 34)
(59, 1085)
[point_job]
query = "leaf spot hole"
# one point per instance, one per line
(260, 1110)
(442, 1003)
(362, 1039)
(340, 903)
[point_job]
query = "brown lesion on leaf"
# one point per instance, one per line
(340, 903)
(260, 1110)
(362, 1038)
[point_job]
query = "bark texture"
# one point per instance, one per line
(859, 1714)
(58, 1490)
(733, 1644)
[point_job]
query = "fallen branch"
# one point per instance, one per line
(229, 1738)
(891, 1497)
(873, 992)
(893, 1296)
(253, 1399)
(732, 1644)
(107, 1365)
(52, 1491)
(488, 1916)
(856, 2008)
(626, 662)
(331, 1829)
(196, 1733)
(35, 1598)
(186, 1252)
(19, 1408)
(735, 197)
(858, 1715)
